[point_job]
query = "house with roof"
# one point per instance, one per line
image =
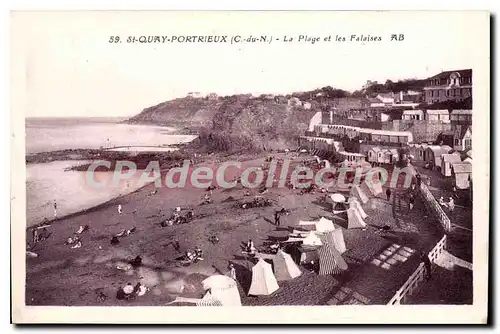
(438, 115)
(447, 160)
(449, 86)
(433, 154)
(462, 175)
(417, 115)
(417, 151)
(194, 95)
(386, 98)
(461, 116)
(446, 138)
(375, 155)
(462, 140)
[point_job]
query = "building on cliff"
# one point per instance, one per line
(449, 86)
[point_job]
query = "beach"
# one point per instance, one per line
(61, 275)
(56, 145)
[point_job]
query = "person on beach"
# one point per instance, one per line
(427, 263)
(34, 235)
(55, 209)
(277, 217)
(120, 209)
(451, 205)
(419, 180)
(388, 194)
(411, 201)
(114, 241)
(232, 271)
(198, 253)
(250, 247)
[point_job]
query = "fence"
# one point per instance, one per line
(438, 249)
(413, 282)
(433, 206)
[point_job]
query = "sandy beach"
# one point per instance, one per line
(64, 276)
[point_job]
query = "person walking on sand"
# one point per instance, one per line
(411, 201)
(232, 271)
(277, 217)
(55, 209)
(388, 194)
(427, 263)
(120, 209)
(451, 205)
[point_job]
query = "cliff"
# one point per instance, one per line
(233, 123)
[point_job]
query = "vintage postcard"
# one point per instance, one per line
(250, 167)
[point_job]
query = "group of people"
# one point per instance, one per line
(450, 205)
(194, 256)
(75, 240)
(250, 248)
(130, 291)
(177, 218)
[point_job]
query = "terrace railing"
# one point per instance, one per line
(434, 207)
(417, 277)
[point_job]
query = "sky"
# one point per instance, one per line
(64, 65)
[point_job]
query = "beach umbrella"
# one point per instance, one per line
(338, 198)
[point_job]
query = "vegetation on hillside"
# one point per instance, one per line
(248, 123)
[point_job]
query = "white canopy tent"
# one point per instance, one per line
(223, 288)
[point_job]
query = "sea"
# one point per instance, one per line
(49, 183)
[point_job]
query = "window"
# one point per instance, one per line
(468, 143)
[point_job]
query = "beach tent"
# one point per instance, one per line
(322, 225)
(284, 267)
(224, 289)
(338, 239)
(263, 280)
(330, 259)
(354, 203)
(308, 254)
(294, 239)
(354, 219)
(337, 198)
(209, 300)
(300, 233)
(359, 194)
(372, 187)
(312, 239)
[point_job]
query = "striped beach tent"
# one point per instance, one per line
(209, 300)
(205, 301)
(224, 289)
(330, 259)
